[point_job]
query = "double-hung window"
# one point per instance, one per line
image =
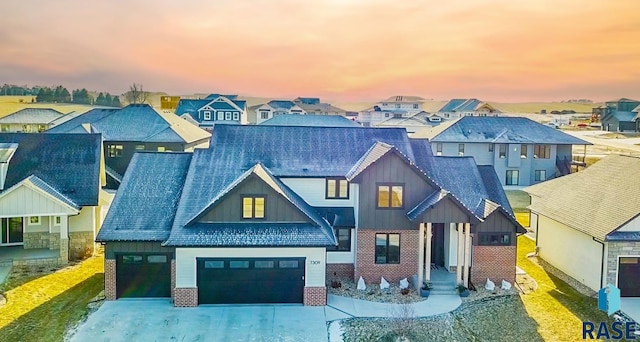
(253, 207)
(542, 151)
(390, 196)
(502, 153)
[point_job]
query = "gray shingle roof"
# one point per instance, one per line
(144, 207)
(624, 116)
(461, 105)
(595, 201)
(137, 122)
(281, 104)
(32, 116)
(52, 191)
(310, 120)
(503, 130)
(68, 163)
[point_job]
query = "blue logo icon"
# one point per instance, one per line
(609, 299)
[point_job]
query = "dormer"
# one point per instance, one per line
(7, 150)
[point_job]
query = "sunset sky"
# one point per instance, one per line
(341, 50)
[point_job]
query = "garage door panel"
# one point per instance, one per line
(143, 275)
(629, 276)
(227, 281)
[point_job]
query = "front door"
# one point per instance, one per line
(437, 244)
(12, 231)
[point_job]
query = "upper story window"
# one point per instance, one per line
(236, 116)
(114, 151)
(503, 151)
(415, 106)
(460, 150)
(542, 151)
(139, 147)
(4, 128)
(390, 196)
(207, 115)
(253, 207)
(490, 147)
(494, 239)
(162, 149)
(512, 177)
(438, 149)
(337, 188)
(397, 105)
(523, 151)
(264, 114)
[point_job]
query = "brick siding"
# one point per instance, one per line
(173, 278)
(186, 297)
(315, 296)
(365, 256)
(339, 271)
(493, 262)
(110, 279)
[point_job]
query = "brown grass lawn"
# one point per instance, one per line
(12, 104)
(42, 307)
(558, 309)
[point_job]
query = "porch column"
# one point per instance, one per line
(64, 239)
(420, 254)
(427, 252)
(467, 252)
(460, 255)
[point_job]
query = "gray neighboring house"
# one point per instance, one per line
(588, 224)
(522, 151)
(30, 120)
(620, 115)
(310, 120)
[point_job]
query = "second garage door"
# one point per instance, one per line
(256, 280)
(629, 276)
(143, 275)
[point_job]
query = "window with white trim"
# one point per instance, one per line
(207, 115)
(34, 220)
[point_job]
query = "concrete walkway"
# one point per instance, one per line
(339, 307)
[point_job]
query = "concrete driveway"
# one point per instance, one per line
(158, 320)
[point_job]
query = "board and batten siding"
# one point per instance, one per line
(24, 201)
(446, 211)
(277, 208)
(582, 261)
(389, 169)
(313, 191)
(497, 222)
(113, 248)
(85, 221)
(314, 271)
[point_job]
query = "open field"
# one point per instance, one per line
(43, 303)
(12, 104)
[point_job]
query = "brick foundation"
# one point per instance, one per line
(173, 278)
(371, 272)
(339, 271)
(110, 279)
(493, 262)
(36, 240)
(315, 296)
(81, 245)
(185, 297)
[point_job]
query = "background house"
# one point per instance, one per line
(50, 197)
(134, 128)
(458, 108)
(313, 106)
(619, 115)
(275, 108)
(29, 120)
(214, 109)
(310, 120)
(289, 207)
(588, 224)
(393, 107)
(522, 151)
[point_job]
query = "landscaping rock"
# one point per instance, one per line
(374, 293)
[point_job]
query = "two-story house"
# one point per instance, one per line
(30, 120)
(457, 108)
(619, 115)
(522, 151)
(313, 106)
(393, 107)
(274, 108)
(214, 109)
(310, 120)
(269, 214)
(51, 204)
(134, 128)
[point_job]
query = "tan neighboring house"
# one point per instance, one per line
(458, 108)
(587, 224)
(394, 107)
(30, 120)
(51, 203)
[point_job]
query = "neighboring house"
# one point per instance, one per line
(270, 214)
(275, 108)
(393, 107)
(29, 120)
(595, 212)
(522, 151)
(620, 115)
(310, 120)
(212, 110)
(134, 128)
(458, 108)
(50, 196)
(312, 105)
(415, 123)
